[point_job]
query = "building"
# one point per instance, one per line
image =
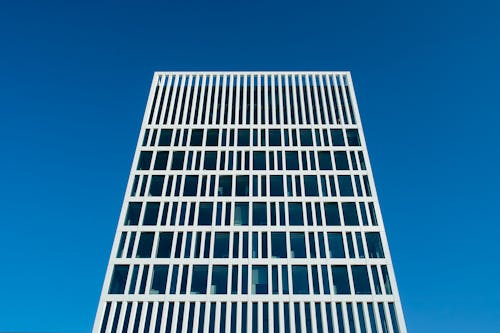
(250, 207)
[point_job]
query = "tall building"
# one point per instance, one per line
(250, 207)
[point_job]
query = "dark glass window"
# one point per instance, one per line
(337, 137)
(259, 279)
(292, 160)
(240, 213)
(311, 186)
(242, 186)
(276, 183)
(306, 137)
(219, 279)
(145, 245)
(336, 245)
(274, 137)
(340, 280)
(161, 160)
(212, 137)
(159, 281)
(332, 213)
(196, 137)
(297, 245)
(118, 279)
(177, 160)
(190, 186)
(199, 279)
(133, 213)
(205, 213)
(345, 186)
(165, 245)
(259, 213)
(300, 280)
(144, 160)
(353, 137)
(225, 186)
(278, 245)
(341, 162)
(295, 213)
(259, 160)
(210, 162)
(325, 161)
(156, 186)
(165, 137)
(350, 213)
(360, 279)
(243, 137)
(151, 213)
(221, 245)
(374, 245)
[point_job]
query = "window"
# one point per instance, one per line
(332, 213)
(353, 137)
(295, 213)
(360, 279)
(311, 186)
(243, 137)
(196, 137)
(219, 280)
(340, 280)
(165, 137)
(292, 160)
(336, 245)
(165, 245)
(199, 279)
(190, 186)
(274, 137)
(205, 213)
(300, 280)
(221, 245)
(337, 137)
(259, 213)
(278, 245)
(133, 213)
(177, 160)
(210, 162)
(374, 245)
(118, 279)
(151, 214)
(145, 245)
(297, 245)
(144, 160)
(345, 186)
(259, 160)
(241, 213)
(159, 282)
(242, 186)
(325, 161)
(161, 160)
(259, 279)
(225, 186)
(276, 183)
(341, 160)
(306, 137)
(350, 213)
(212, 137)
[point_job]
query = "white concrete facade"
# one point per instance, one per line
(250, 207)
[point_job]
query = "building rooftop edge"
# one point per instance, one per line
(252, 72)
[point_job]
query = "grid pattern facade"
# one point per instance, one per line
(251, 207)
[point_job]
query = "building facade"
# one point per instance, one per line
(250, 207)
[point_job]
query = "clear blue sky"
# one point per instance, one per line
(74, 79)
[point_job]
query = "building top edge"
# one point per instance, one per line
(251, 72)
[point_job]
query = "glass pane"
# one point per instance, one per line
(177, 160)
(144, 160)
(292, 160)
(259, 160)
(306, 137)
(199, 279)
(165, 137)
(336, 245)
(241, 213)
(219, 280)
(159, 282)
(311, 186)
(242, 185)
(360, 279)
(243, 137)
(210, 162)
(295, 213)
(259, 280)
(165, 245)
(337, 137)
(133, 213)
(205, 213)
(340, 280)
(225, 186)
(274, 137)
(325, 161)
(276, 186)
(297, 245)
(145, 245)
(221, 245)
(161, 160)
(300, 280)
(350, 213)
(353, 137)
(332, 213)
(341, 162)
(259, 213)
(118, 279)
(196, 137)
(278, 245)
(151, 214)
(191, 186)
(345, 186)
(212, 137)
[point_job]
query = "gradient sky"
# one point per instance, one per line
(74, 79)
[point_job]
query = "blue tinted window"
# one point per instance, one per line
(340, 280)
(337, 137)
(177, 160)
(145, 245)
(300, 280)
(161, 160)
(225, 185)
(295, 213)
(219, 279)
(221, 245)
(345, 186)
(353, 137)
(311, 186)
(332, 213)
(212, 137)
(259, 160)
(259, 280)
(350, 213)
(297, 245)
(196, 137)
(259, 212)
(276, 183)
(159, 281)
(165, 137)
(306, 137)
(144, 160)
(241, 213)
(336, 245)
(278, 245)
(210, 162)
(199, 279)
(274, 137)
(205, 213)
(360, 279)
(325, 161)
(190, 185)
(341, 161)
(242, 185)
(292, 160)
(151, 214)
(133, 213)
(165, 245)
(118, 279)
(243, 137)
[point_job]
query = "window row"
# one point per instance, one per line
(252, 99)
(251, 279)
(251, 213)
(251, 160)
(256, 185)
(245, 137)
(243, 244)
(258, 317)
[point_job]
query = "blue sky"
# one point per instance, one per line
(74, 79)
